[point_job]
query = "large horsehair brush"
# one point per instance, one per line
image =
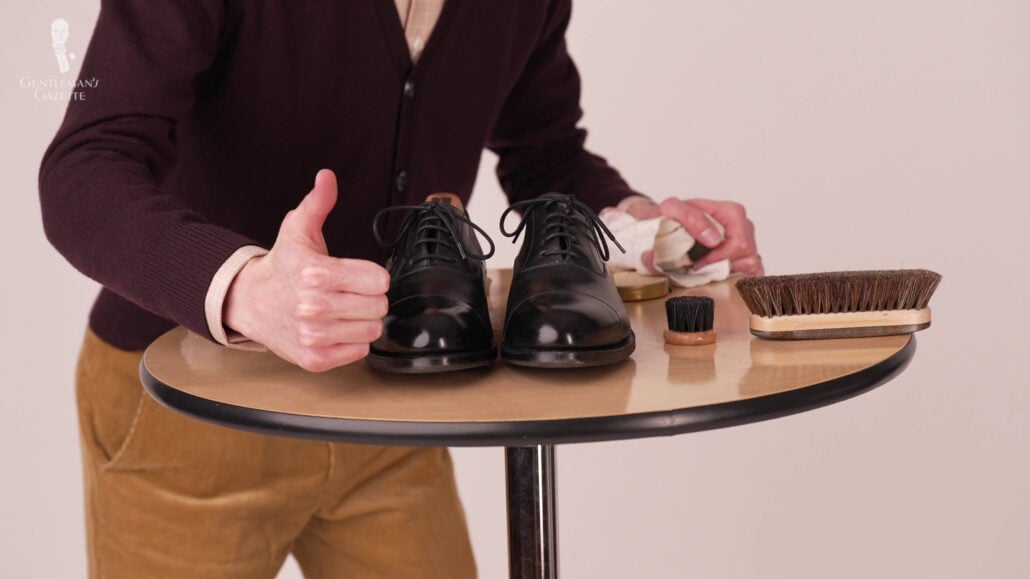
(845, 304)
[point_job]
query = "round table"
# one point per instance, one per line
(662, 390)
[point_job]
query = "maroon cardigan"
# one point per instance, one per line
(213, 116)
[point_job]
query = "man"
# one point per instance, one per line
(178, 186)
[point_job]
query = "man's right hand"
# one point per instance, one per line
(311, 309)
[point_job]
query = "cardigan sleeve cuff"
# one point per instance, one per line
(219, 289)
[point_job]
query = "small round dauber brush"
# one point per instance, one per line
(691, 321)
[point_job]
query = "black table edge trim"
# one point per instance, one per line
(529, 433)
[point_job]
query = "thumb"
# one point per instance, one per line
(304, 224)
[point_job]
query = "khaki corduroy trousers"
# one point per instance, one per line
(168, 496)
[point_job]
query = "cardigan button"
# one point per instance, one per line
(402, 181)
(409, 88)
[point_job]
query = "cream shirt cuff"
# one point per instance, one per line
(215, 299)
(625, 203)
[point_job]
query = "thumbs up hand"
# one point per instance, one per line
(316, 311)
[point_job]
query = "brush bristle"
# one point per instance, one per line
(838, 292)
(690, 313)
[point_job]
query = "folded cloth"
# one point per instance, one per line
(659, 246)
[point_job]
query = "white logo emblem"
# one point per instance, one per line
(59, 34)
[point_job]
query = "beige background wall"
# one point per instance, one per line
(874, 134)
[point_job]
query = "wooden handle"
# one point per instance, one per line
(843, 325)
(689, 338)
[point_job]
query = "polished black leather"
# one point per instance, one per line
(438, 318)
(563, 307)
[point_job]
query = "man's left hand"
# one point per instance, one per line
(738, 245)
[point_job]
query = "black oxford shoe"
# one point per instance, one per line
(563, 308)
(438, 319)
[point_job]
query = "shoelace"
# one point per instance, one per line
(435, 229)
(558, 224)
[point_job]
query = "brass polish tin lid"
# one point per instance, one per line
(637, 287)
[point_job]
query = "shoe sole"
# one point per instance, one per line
(434, 364)
(580, 358)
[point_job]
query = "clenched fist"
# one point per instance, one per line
(311, 309)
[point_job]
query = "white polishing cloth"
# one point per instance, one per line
(670, 243)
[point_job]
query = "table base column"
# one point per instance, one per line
(532, 517)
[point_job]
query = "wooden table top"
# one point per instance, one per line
(661, 390)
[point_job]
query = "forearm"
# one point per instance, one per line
(100, 181)
(566, 168)
(109, 219)
(537, 137)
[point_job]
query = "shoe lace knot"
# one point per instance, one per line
(559, 224)
(435, 229)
